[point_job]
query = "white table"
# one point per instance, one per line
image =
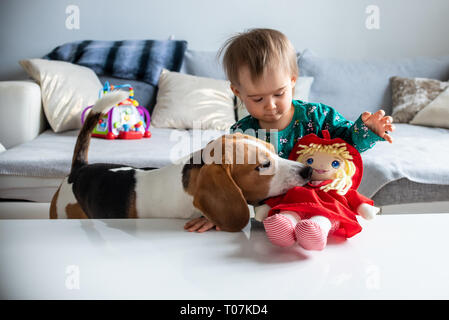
(395, 256)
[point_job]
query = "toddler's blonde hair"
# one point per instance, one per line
(343, 181)
(258, 49)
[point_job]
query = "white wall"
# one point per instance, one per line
(408, 28)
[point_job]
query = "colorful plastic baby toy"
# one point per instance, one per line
(127, 120)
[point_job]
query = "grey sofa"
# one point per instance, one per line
(410, 170)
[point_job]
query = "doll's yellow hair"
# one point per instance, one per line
(344, 175)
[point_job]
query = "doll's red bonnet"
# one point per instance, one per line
(326, 140)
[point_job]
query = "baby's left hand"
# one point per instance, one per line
(379, 123)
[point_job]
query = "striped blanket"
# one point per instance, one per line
(141, 60)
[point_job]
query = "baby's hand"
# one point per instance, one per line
(200, 224)
(379, 123)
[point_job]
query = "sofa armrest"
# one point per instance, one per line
(21, 114)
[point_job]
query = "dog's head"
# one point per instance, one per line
(235, 170)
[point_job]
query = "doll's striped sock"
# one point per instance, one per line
(280, 230)
(311, 234)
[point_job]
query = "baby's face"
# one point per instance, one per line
(325, 166)
(270, 98)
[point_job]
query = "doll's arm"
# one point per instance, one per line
(363, 205)
(261, 212)
(367, 211)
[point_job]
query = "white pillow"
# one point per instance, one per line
(436, 113)
(302, 89)
(66, 90)
(183, 99)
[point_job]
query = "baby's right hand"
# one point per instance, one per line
(200, 224)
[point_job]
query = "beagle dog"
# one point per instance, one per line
(218, 181)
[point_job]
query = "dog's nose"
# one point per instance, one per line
(306, 173)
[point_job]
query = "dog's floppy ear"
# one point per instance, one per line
(219, 198)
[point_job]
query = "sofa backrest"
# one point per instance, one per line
(350, 86)
(354, 86)
(203, 64)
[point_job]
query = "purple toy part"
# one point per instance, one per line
(84, 112)
(110, 120)
(142, 111)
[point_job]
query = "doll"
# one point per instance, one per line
(328, 204)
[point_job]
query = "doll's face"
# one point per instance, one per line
(325, 165)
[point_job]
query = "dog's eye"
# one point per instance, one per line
(263, 165)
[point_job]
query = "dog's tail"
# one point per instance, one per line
(101, 107)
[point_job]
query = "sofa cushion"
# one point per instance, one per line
(354, 86)
(129, 59)
(184, 101)
(50, 154)
(436, 113)
(418, 154)
(411, 95)
(66, 89)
